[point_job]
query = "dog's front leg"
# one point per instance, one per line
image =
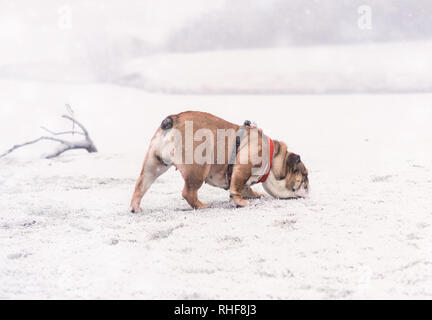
(248, 193)
(241, 174)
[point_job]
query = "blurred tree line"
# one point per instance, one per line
(260, 24)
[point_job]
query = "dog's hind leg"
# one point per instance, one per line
(194, 179)
(153, 167)
(190, 194)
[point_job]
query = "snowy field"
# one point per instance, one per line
(365, 231)
(392, 67)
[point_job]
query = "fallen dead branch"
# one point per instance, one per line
(65, 145)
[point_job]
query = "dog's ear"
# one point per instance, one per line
(280, 160)
(293, 161)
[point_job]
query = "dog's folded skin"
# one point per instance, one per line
(200, 145)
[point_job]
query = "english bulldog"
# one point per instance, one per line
(206, 148)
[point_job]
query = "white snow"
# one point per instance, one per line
(375, 67)
(360, 68)
(365, 231)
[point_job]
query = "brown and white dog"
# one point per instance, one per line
(205, 148)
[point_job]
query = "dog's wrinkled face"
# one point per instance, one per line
(288, 178)
(297, 177)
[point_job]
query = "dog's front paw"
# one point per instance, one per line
(254, 195)
(248, 193)
(239, 201)
(200, 205)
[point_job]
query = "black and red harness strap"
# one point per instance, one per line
(233, 157)
(265, 176)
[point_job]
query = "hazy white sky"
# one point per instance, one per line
(47, 28)
(35, 30)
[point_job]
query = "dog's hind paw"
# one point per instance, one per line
(135, 210)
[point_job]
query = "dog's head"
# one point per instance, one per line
(288, 177)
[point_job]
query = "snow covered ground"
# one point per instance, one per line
(377, 68)
(392, 67)
(365, 231)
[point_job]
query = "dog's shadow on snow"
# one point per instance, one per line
(228, 205)
(220, 206)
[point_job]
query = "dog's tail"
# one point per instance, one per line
(167, 123)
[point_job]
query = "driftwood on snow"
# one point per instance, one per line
(65, 145)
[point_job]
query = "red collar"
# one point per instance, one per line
(264, 177)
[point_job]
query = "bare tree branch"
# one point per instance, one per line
(66, 143)
(86, 144)
(72, 113)
(62, 133)
(90, 145)
(76, 122)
